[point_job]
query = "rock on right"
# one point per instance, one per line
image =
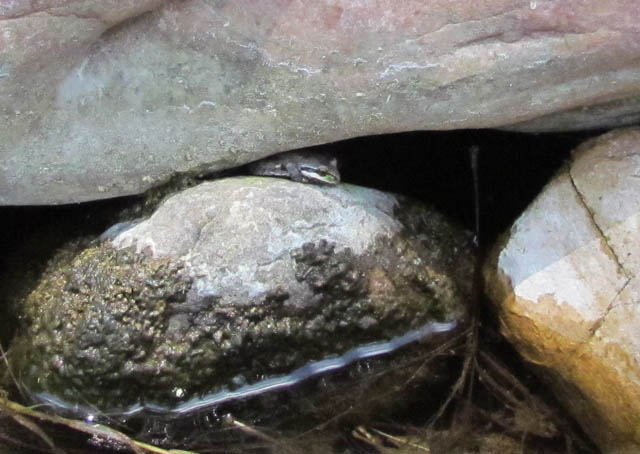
(564, 281)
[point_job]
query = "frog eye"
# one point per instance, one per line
(316, 171)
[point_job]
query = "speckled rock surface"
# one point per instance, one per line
(235, 280)
(101, 99)
(565, 281)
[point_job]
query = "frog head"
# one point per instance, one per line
(320, 171)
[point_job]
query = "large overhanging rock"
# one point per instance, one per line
(99, 100)
(566, 285)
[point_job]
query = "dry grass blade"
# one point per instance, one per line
(258, 434)
(509, 396)
(5, 360)
(26, 416)
(423, 360)
(400, 441)
(37, 430)
(463, 379)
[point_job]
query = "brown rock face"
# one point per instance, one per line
(565, 281)
(102, 99)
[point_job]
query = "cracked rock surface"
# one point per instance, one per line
(235, 280)
(101, 99)
(565, 282)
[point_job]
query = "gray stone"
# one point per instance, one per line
(235, 280)
(103, 99)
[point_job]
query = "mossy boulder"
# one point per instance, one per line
(234, 282)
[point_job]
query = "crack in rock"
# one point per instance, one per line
(603, 236)
(612, 304)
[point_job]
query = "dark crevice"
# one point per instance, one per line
(430, 166)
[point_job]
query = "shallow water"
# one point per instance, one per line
(271, 384)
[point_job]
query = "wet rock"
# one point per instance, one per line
(237, 286)
(565, 281)
(103, 99)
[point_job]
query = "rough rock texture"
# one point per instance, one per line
(101, 99)
(233, 281)
(565, 281)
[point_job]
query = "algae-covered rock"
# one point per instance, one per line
(235, 284)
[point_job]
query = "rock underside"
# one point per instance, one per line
(103, 99)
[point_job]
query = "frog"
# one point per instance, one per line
(301, 166)
(304, 166)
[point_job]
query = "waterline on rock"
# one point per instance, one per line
(305, 372)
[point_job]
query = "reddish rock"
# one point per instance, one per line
(100, 99)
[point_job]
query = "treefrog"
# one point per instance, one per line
(301, 166)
